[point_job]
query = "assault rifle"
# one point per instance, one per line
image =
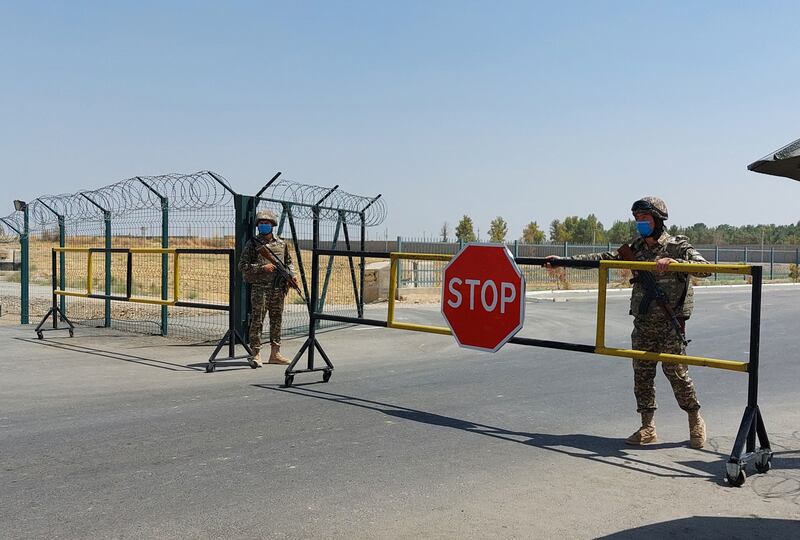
(653, 293)
(283, 271)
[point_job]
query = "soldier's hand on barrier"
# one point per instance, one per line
(552, 258)
(663, 264)
(269, 267)
(295, 281)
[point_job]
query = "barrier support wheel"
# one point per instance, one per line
(735, 474)
(39, 335)
(326, 376)
(287, 382)
(71, 333)
(211, 367)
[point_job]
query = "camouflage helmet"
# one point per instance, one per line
(266, 215)
(651, 205)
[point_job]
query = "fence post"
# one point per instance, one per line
(244, 215)
(107, 308)
(745, 261)
(25, 270)
(716, 260)
(566, 249)
(399, 266)
(771, 261)
(516, 248)
(61, 262)
(164, 257)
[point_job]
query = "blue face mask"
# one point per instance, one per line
(644, 228)
(264, 228)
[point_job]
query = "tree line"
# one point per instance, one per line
(589, 230)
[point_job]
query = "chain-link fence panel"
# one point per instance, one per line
(10, 275)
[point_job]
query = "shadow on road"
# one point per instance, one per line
(599, 449)
(114, 355)
(713, 528)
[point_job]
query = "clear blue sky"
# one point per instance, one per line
(525, 110)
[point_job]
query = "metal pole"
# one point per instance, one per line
(312, 328)
(745, 260)
(362, 263)
(25, 270)
(107, 314)
(243, 208)
(400, 265)
(231, 305)
(164, 257)
(716, 261)
(62, 242)
(755, 342)
(271, 181)
(53, 283)
(771, 262)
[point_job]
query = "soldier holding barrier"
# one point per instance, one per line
(660, 304)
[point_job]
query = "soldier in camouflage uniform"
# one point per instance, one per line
(268, 288)
(652, 330)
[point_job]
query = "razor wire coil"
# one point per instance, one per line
(202, 189)
(303, 198)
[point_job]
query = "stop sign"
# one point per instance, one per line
(483, 296)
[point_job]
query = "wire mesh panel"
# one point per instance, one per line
(179, 211)
(343, 220)
(9, 270)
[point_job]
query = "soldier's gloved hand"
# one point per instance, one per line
(269, 267)
(295, 281)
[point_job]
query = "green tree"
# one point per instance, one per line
(578, 230)
(498, 229)
(531, 234)
(558, 232)
(464, 231)
(622, 231)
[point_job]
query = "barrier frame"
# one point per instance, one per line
(231, 335)
(752, 426)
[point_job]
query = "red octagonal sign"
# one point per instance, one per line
(483, 296)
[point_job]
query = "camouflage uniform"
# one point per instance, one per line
(268, 289)
(652, 330)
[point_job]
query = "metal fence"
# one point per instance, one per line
(780, 263)
(198, 210)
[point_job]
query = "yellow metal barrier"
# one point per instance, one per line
(602, 279)
(600, 348)
(140, 300)
(390, 322)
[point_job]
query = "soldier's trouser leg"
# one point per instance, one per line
(258, 303)
(275, 300)
(660, 336)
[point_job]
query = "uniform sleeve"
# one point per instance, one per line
(600, 256)
(686, 253)
(248, 265)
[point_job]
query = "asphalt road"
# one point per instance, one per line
(111, 436)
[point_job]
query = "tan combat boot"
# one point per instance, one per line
(255, 359)
(645, 434)
(697, 430)
(275, 356)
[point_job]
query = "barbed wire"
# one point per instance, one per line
(203, 189)
(10, 222)
(307, 195)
